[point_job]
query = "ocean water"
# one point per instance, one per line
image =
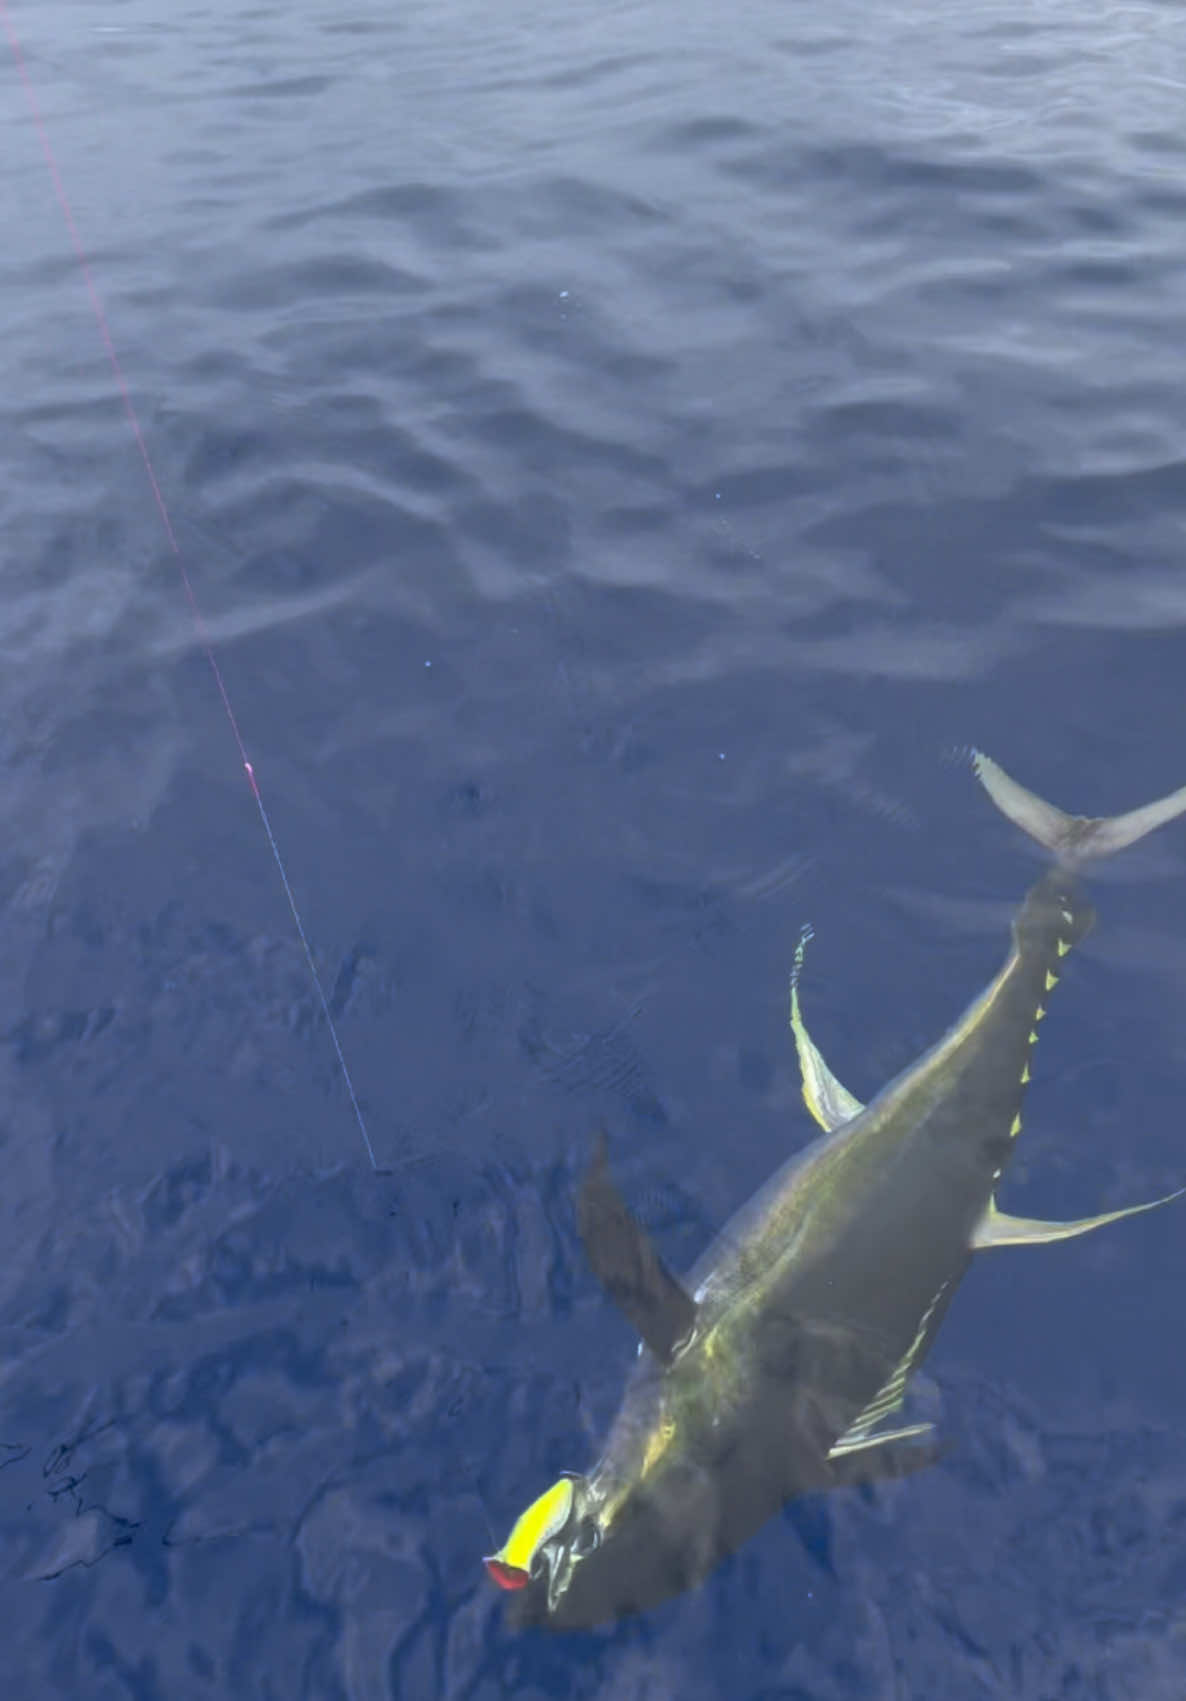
(621, 457)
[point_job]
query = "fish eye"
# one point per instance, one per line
(586, 1538)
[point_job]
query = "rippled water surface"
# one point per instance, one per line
(621, 456)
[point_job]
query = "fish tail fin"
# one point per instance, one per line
(1072, 839)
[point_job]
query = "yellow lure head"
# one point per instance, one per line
(511, 1566)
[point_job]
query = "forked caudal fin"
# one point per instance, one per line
(1073, 839)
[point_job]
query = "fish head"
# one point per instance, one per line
(572, 1563)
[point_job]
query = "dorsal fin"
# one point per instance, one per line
(831, 1104)
(627, 1265)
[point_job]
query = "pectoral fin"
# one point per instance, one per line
(829, 1102)
(997, 1228)
(627, 1265)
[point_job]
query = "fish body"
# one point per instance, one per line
(780, 1364)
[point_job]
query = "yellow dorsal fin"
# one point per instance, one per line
(830, 1103)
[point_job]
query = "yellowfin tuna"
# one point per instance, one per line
(781, 1364)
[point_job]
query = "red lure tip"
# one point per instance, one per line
(506, 1576)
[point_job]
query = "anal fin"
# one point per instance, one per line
(997, 1228)
(866, 1430)
(857, 1441)
(897, 1459)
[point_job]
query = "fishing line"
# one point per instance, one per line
(162, 508)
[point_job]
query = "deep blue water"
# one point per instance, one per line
(622, 454)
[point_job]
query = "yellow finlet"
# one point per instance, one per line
(1033, 1036)
(1025, 1073)
(1016, 1128)
(658, 1442)
(1051, 980)
(1064, 946)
